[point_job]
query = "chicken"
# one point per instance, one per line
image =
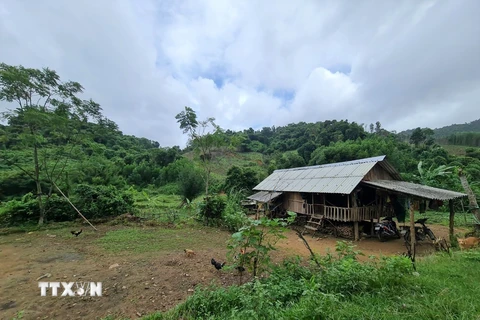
(468, 243)
(217, 264)
(76, 233)
(189, 252)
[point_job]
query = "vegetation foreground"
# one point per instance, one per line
(442, 287)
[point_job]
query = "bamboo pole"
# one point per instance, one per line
(74, 207)
(413, 239)
(452, 221)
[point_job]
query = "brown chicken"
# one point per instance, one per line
(189, 253)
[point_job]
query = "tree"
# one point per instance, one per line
(202, 140)
(241, 179)
(48, 110)
(420, 136)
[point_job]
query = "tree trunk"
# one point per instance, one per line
(471, 196)
(39, 185)
(207, 182)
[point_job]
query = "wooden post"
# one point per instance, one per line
(324, 207)
(452, 221)
(356, 231)
(412, 232)
(371, 227)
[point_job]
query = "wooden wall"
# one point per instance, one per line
(378, 173)
(292, 201)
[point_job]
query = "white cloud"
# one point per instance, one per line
(408, 64)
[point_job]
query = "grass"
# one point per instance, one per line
(454, 149)
(160, 207)
(34, 227)
(462, 219)
(222, 163)
(141, 240)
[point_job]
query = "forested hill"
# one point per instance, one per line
(67, 142)
(446, 131)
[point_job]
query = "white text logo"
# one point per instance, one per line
(71, 289)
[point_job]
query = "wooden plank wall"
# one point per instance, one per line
(293, 202)
(378, 173)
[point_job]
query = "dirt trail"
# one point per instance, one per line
(141, 284)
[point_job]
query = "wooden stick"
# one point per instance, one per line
(308, 247)
(451, 224)
(74, 206)
(413, 234)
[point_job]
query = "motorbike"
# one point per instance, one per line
(387, 228)
(421, 233)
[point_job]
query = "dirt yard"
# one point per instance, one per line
(143, 269)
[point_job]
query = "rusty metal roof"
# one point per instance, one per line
(416, 190)
(341, 177)
(264, 196)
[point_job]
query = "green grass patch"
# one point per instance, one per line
(455, 149)
(160, 207)
(462, 219)
(141, 240)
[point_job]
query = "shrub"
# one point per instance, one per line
(19, 211)
(102, 201)
(211, 209)
(234, 216)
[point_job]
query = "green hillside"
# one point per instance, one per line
(67, 142)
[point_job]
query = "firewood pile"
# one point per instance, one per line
(341, 230)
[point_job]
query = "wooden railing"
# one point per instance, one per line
(345, 214)
(340, 213)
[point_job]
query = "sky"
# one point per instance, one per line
(258, 63)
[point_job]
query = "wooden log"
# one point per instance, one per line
(412, 233)
(451, 222)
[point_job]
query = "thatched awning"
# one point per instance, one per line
(416, 190)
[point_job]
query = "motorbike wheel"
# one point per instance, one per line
(380, 236)
(398, 234)
(431, 235)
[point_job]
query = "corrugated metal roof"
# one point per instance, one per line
(264, 196)
(341, 177)
(417, 190)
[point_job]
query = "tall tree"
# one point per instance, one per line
(47, 110)
(205, 137)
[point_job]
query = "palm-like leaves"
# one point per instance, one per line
(430, 176)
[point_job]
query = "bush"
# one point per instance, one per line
(58, 209)
(190, 182)
(234, 216)
(102, 201)
(211, 209)
(19, 211)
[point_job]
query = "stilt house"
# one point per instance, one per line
(351, 191)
